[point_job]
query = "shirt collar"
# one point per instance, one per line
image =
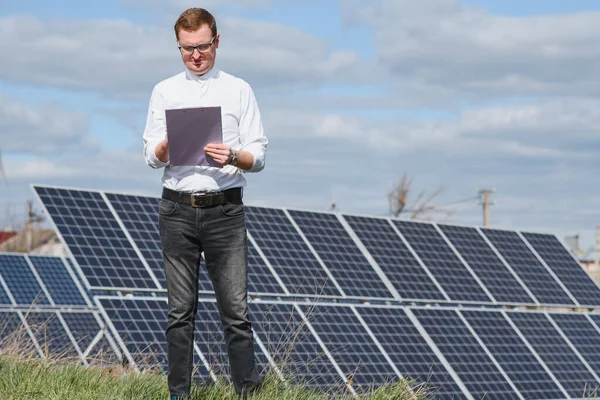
(212, 73)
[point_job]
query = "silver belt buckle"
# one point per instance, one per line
(199, 201)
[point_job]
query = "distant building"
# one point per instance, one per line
(592, 268)
(5, 235)
(39, 242)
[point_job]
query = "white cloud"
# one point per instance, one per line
(123, 60)
(445, 43)
(549, 129)
(44, 129)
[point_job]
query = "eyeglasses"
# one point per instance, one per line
(187, 50)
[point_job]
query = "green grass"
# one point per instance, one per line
(24, 379)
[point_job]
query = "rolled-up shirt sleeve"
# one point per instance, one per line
(155, 131)
(252, 135)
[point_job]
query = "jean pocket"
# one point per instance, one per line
(167, 207)
(232, 209)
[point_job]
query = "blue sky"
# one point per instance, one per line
(462, 95)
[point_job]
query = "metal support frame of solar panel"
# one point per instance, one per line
(47, 331)
(15, 334)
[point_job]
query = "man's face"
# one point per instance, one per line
(198, 62)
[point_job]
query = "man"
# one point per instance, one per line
(201, 208)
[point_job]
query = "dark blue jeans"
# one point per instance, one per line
(219, 232)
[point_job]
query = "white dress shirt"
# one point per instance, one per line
(242, 127)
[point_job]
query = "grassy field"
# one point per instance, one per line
(23, 379)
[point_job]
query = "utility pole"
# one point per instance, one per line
(485, 201)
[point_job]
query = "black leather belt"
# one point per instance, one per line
(206, 199)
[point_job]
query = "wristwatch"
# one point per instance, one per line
(234, 158)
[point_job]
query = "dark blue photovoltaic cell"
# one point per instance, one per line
(13, 333)
(556, 353)
(95, 239)
(292, 346)
(441, 261)
(513, 355)
(409, 351)
(51, 335)
(58, 281)
(21, 282)
(473, 248)
(291, 258)
(350, 346)
(340, 254)
(526, 265)
(394, 258)
(141, 325)
(583, 335)
(564, 266)
(85, 327)
(473, 366)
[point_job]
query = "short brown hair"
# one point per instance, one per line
(193, 19)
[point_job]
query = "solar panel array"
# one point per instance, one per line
(337, 299)
(46, 312)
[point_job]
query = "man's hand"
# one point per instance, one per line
(162, 150)
(221, 153)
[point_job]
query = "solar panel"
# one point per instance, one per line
(292, 346)
(409, 351)
(583, 334)
(564, 266)
(14, 337)
(466, 356)
(350, 345)
(513, 355)
(285, 250)
(403, 270)
(526, 265)
(260, 278)
(209, 338)
(85, 328)
(59, 283)
(556, 353)
(340, 254)
(138, 325)
(21, 282)
(51, 335)
(95, 239)
(140, 217)
(496, 277)
(442, 262)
